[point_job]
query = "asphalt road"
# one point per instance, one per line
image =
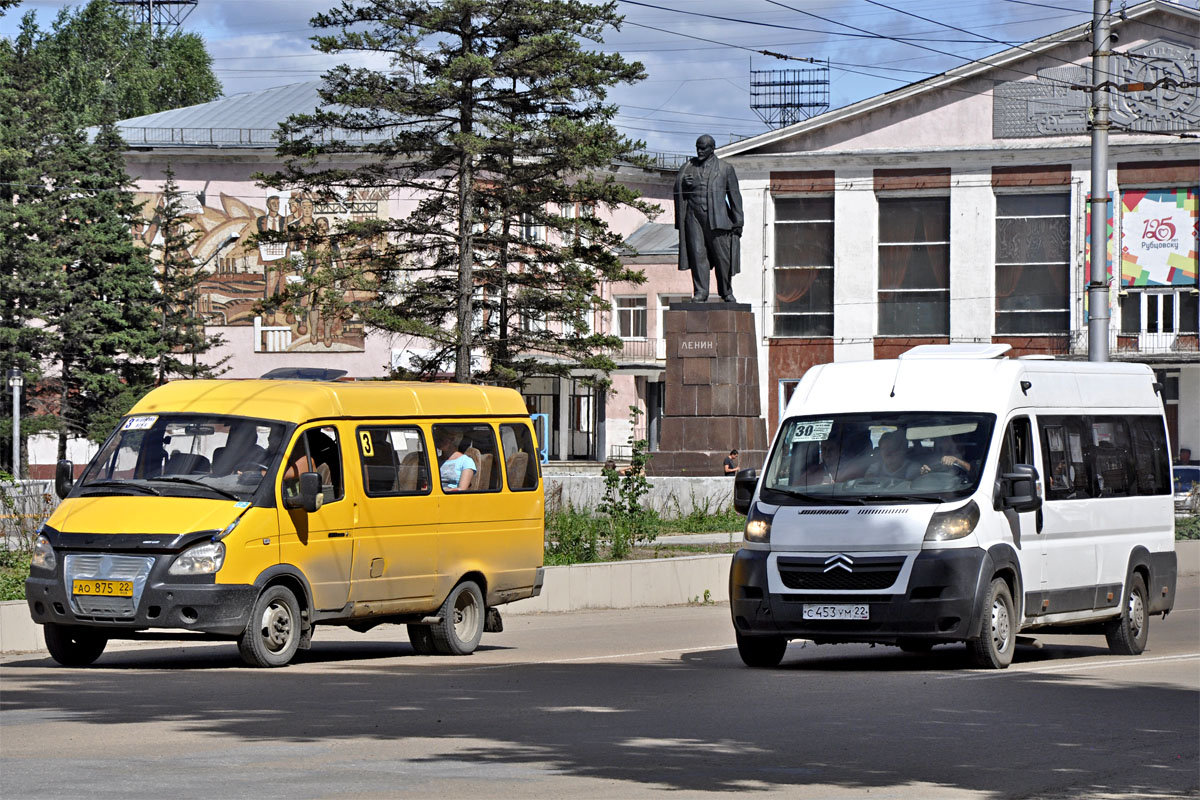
(609, 704)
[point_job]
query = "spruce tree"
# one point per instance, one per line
(104, 321)
(493, 119)
(184, 337)
(30, 272)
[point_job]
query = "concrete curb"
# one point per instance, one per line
(620, 584)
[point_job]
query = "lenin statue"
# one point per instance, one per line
(708, 216)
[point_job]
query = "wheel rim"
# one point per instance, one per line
(1000, 625)
(276, 630)
(466, 616)
(1137, 614)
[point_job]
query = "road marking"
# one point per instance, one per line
(602, 658)
(1038, 669)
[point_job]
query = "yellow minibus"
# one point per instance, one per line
(257, 510)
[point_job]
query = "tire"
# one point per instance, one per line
(274, 631)
(462, 616)
(761, 651)
(1127, 634)
(914, 645)
(421, 639)
(73, 646)
(998, 633)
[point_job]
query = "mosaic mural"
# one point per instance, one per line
(240, 274)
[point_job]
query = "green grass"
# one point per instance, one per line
(1187, 527)
(14, 569)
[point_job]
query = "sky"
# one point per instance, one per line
(698, 67)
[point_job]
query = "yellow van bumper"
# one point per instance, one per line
(208, 607)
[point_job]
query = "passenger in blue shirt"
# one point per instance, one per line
(457, 469)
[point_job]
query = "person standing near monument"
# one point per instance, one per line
(709, 218)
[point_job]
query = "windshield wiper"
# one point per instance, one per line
(817, 499)
(899, 498)
(202, 484)
(120, 485)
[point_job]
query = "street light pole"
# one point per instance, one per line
(1098, 284)
(16, 380)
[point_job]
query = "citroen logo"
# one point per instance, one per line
(840, 561)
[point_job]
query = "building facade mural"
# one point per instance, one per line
(240, 274)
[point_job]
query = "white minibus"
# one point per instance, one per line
(958, 495)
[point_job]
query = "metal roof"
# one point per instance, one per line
(653, 239)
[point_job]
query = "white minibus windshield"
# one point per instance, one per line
(877, 458)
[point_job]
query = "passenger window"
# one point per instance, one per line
(1150, 452)
(467, 458)
(315, 451)
(1067, 474)
(394, 461)
(520, 457)
(1112, 457)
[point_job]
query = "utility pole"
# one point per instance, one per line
(1098, 284)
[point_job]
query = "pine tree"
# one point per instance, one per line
(494, 120)
(104, 319)
(184, 337)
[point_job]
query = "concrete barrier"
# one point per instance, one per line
(616, 584)
(670, 497)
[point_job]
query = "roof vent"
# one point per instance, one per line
(969, 350)
(303, 374)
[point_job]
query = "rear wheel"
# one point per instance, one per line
(421, 639)
(273, 633)
(73, 646)
(1127, 634)
(998, 633)
(761, 651)
(461, 628)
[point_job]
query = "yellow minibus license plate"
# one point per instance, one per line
(104, 588)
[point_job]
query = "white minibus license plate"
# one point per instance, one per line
(837, 611)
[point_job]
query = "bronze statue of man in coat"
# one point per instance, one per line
(709, 218)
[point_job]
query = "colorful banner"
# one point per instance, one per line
(1087, 252)
(1158, 237)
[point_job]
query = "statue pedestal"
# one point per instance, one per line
(712, 398)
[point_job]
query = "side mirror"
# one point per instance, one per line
(310, 494)
(744, 483)
(1019, 489)
(64, 478)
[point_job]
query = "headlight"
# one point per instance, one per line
(43, 554)
(948, 525)
(203, 559)
(758, 525)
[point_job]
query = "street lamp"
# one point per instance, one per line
(16, 379)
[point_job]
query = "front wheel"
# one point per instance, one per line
(998, 633)
(761, 651)
(461, 628)
(1127, 634)
(73, 646)
(273, 633)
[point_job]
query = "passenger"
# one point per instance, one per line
(457, 469)
(826, 468)
(893, 460)
(947, 457)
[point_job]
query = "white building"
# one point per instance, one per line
(955, 210)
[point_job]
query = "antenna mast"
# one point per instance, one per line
(164, 15)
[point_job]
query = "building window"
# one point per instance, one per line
(530, 230)
(914, 266)
(804, 266)
(631, 317)
(1159, 311)
(1033, 253)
